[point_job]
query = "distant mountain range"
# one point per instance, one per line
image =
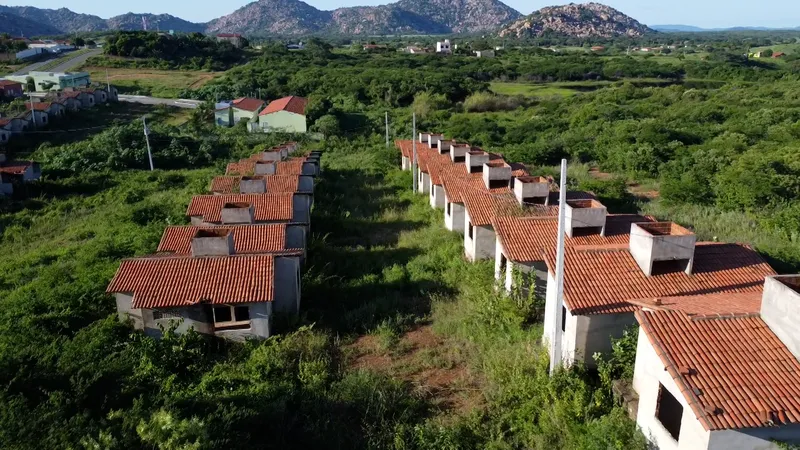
(693, 29)
(296, 18)
(585, 20)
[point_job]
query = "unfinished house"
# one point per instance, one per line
(213, 291)
(263, 184)
(292, 166)
(16, 173)
(725, 378)
(244, 209)
(14, 125)
(605, 284)
(273, 238)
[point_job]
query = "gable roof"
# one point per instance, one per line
(267, 238)
(267, 207)
(4, 83)
(605, 279)
(248, 104)
(16, 167)
(40, 106)
(292, 104)
(163, 282)
(733, 370)
(275, 183)
(245, 167)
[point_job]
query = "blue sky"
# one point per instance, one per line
(703, 13)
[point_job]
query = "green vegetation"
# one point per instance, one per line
(156, 83)
(192, 51)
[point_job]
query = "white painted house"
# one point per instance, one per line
(444, 47)
(722, 381)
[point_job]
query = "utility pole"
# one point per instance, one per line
(108, 83)
(414, 146)
(33, 111)
(387, 129)
(556, 309)
(147, 138)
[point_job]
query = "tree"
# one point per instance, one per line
(79, 42)
(328, 125)
(30, 84)
(767, 53)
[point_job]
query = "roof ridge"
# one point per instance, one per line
(720, 316)
(601, 248)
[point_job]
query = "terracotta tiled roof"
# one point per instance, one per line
(267, 207)
(72, 94)
(267, 238)
(161, 282)
(529, 239)
(245, 167)
(248, 104)
(275, 184)
(16, 167)
(41, 106)
(4, 83)
(733, 371)
(711, 304)
(290, 167)
(292, 104)
(603, 279)
(485, 206)
(4, 121)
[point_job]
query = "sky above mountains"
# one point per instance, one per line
(701, 13)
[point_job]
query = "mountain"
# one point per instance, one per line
(163, 22)
(677, 28)
(584, 20)
(19, 26)
(294, 17)
(61, 20)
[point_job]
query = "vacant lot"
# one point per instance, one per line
(564, 89)
(157, 83)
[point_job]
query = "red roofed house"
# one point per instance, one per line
(10, 89)
(213, 290)
(233, 38)
(14, 125)
(718, 380)
(263, 184)
(246, 108)
(240, 209)
(287, 115)
(16, 172)
(52, 109)
(86, 100)
(655, 264)
(778, 55)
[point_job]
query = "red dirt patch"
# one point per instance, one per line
(423, 359)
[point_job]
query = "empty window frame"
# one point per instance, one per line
(228, 317)
(669, 412)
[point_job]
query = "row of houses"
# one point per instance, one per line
(239, 262)
(287, 115)
(55, 105)
(719, 341)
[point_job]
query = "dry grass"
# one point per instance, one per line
(158, 83)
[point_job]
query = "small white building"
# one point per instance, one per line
(722, 381)
(485, 53)
(444, 47)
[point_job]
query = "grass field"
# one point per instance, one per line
(565, 89)
(789, 49)
(157, 83)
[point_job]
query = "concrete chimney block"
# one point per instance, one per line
(475, 161)
(496, 174)
(585, 214)
(532, 190)
(424, 137)
(445, 145)
(655, 242)
(237, 213)
(780, 309)
(433, 140)
(252, 185)
(213, 242)
(270, 155)
(265, 168)
(458, 152)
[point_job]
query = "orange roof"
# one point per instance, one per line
(268, 238)
(4, 121)
(275, 183)
(292, 104)
(485, 206)
(604, 279)
(72, 94)
(164, 282)
(692, 305)
(529, 239)
(733, 370)
(267, 207)
(248, 104)
(245, 167)
(16, 167)
(4, 83)
(41, 106)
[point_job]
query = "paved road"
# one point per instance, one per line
(180, 103)
(63, 67)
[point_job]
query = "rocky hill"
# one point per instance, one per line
(163, 22)
(584, 20)
(62, 19)
(294, 17)
(19, 26)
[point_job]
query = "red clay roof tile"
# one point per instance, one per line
(161, 282)
(267, 238)
(267, 207)
(248, 104)
(291, 104)
(740, 375)
(275, 183)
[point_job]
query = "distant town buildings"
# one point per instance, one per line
(444, 47)
(236, 39)
(54, 81)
